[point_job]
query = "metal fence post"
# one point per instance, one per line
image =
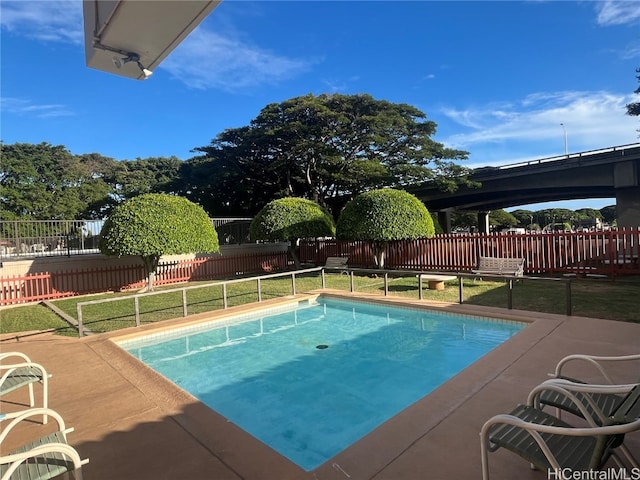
(351, 281)
(293, 284)
(224, 295)
(324, 283)
(460, 290)
(386, 284)
(419, 287)
(136, 306)
(510, 294)
(80, 328)
(259, 291)
(184, 302)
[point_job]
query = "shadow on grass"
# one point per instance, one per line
(596, 298)
(615, 300)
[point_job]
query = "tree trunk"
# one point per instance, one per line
(293, 251)
(378, 249)
(151, 265)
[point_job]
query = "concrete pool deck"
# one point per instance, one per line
(133, 424)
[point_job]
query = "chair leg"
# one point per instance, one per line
(484, 455)
(45, 397)
(32, 402)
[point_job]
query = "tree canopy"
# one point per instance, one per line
(501, 219)
(380, 216)
(324, 148)
(152, 225)
(534, 219)
(47, 182)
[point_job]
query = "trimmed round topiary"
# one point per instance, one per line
(384, 215)
(291, 219)
(155, 224)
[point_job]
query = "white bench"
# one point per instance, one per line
(436, 281)
(337, 263)
(500, 266)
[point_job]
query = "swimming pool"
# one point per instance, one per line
(311, 379)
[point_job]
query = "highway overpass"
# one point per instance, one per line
(605, 173)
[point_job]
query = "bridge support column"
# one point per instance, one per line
(444, 219)
(626, 180)
(483, 222)
(628, 207)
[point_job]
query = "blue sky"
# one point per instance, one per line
(498, 78)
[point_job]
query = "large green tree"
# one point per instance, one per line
(501, 219)
(145, 175)
(380, 216)
(47, 182)
(634, 107)
(609, 214)
(153, 225)
(327, 148)
(524, 217)
(554, 215)
(292, 219)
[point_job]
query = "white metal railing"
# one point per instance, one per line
(585, 154)
(509, 282)
(225, 303)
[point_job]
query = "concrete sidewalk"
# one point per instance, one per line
(133, 424)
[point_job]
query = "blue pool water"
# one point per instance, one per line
(266, 373)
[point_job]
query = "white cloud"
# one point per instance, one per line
(24, 107)
(50, 20)
(632, 50)
(617, 12)
(340, 85)
(209, 60)
(203, 60)
(592, 120)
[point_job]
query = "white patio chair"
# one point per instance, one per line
(25, 373)
(46, 457)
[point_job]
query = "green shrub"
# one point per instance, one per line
(153, 225)
(292, 219)
(380, 216)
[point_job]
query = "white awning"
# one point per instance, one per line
(132, 37)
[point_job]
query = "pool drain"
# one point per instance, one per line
(322, 346)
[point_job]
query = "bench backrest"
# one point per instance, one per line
(514, 266)
(336, 262)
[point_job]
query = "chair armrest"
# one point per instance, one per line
(13, 366)
(14, 354)
(595, 361)
(14, 419)
(535, 431)
(9, 366)
(590, 387)
(579, 395)
(507, 419)
(62, 448)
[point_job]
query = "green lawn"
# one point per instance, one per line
(618, 300)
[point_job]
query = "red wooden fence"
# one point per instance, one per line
(36, 287)
(609, 253)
